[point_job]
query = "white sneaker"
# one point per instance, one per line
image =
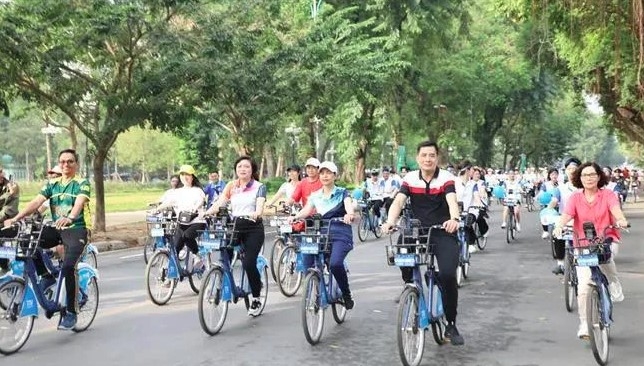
(197, 262)
(473, 249)
(615, 289)
(518, 227)
(503, 225)
(545, 235)
(486, 234)
(255, 307)
(582, 333)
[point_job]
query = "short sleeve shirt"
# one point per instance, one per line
(332, 206)
(428, 199)
(597, 212)
(243, 198)
(62, 197)
(304, 189)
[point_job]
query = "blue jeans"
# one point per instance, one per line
(340, 248)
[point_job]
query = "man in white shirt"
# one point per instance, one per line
(512, 192)
(389, 186)
(375, 191)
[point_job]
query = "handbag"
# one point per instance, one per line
(186, 217)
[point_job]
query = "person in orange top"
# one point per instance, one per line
(308, 185)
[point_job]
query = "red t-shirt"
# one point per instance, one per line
(597, 212)
(304, 189)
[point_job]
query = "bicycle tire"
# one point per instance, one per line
(597, 331)
(481, 240)
(213, 282)
(410, 346)
(339, 312)
(459, 275)
(377, 230)
(569, 286)
(508, 228)
(311, 304)
(91, 259)
(161, 300)
(148, 248)
(87, 312)
(10, 306)
(363, 228)
(289, 278)
(276, 250)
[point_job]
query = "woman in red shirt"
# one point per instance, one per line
(600, 206)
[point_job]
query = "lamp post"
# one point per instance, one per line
(292, 133)
(49, 131)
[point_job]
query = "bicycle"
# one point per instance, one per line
(570, 275)
(463, 268)
(368, 221)
(156, 223)
(164, 268)
(599, 306)
(528, 195)
(510, 228)
(420, 307)
(283, 238)
(25, 291)
(320, 288)
(219, 287)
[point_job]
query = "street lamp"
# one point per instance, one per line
(49, 131)
(292, 133)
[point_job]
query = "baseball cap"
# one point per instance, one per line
(330, 166)
(188, 169)
(55, 170)
(312, 162)
(294, 167)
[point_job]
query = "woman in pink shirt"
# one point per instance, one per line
(600, 206)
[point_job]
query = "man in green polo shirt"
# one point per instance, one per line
(68, 196)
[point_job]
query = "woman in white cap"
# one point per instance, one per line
(332, 201)
(186, 201)
(247, 196)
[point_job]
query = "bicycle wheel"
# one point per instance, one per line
(410, 337)
(263, 293)
(377, 230)
(597, 331)
(481, 241)
(278, 246)
(289, 278)
(569, 287)
(160, 287)
(339, 312)
(438, 330)
(312, 312)
(87, 306)
(196, 278)
(91, 259)
(363, 227)
(148, 248)
(14, 329)
(508, 228)
(459, 275)
(212, 309)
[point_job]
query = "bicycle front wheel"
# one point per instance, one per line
(149, 248)
(160, 287)
(597, 330)
(88, 306)
(363, 227)
(289, 278)
(14, 329)
(570, 295)
(409, 335)
(278, 246)
(212, 309)
(508, 228)
(481, 240)
(312, 311)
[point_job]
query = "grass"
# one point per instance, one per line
(119, 197)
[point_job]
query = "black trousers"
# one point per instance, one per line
(558, 249)
(251, 235)
(187, 235)
(446, 249)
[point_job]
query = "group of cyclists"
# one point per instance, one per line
(434, 196)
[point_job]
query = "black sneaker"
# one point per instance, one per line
(451, 334)
(558, 270)
(255, 307)
(348, 301)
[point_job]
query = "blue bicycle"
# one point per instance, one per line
(157, 224)
(421, 304)
(368, 221)
(25, 291)
(226, 281)
(463, 268)
(164, 270)
(320, 288)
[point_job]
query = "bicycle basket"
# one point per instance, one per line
(594, 255)
(9, 248)
(413, 249)
(312, 243)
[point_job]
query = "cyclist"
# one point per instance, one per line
(247, 196)
(565, 191)
(333, 201)
(475, 194)
(68, 199)
(186, 202)
(307, 185)
(9, 198)
(593, 204)
(287, 188)
(432, 197)
(550, 186)
(214, 187)
(389, 186)
(374, 191)
(512, 190)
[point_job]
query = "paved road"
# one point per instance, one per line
(511, 313)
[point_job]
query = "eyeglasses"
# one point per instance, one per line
(589, 175)
(68, 162)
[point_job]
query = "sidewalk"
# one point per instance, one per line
(121, 218)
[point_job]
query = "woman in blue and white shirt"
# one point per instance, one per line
(247, 196)
(332, 202)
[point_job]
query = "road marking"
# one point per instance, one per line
(132, 256)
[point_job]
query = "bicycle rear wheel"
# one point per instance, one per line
(212, 309)
(363, 227)
(377, 230)
(481, 240)
(570, 293)
(88, 306)
(289, 278)
(410, 337)
(278, 246)
(160, 287)
(14, 329)
(597, 330)
(459, 275)
(91, 259)
(339, 312)
(312, 311)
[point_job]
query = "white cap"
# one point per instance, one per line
(329, 165)
(313, 162)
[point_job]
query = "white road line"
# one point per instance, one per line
(131, 256)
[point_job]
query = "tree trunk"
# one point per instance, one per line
(361, 156)
(492, 122)
(99, 189)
